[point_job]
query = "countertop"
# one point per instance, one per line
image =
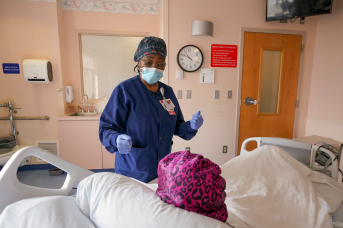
(79, 118)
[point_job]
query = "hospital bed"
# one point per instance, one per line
(313, 156)
(12, 191)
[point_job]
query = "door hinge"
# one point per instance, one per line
(296, 103)
(302, 48)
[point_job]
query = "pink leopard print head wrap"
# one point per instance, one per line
(193, 183)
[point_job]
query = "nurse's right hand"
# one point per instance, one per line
(124, 144)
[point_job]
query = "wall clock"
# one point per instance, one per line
(190, 58)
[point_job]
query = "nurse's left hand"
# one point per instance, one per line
(196, 121)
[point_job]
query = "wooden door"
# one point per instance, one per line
(270, 76)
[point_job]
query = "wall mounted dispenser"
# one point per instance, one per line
(69, 94)
(37, 71)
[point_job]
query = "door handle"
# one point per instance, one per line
(249, 101)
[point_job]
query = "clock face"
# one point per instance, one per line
(190, 58)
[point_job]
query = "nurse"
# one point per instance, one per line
(143, 114)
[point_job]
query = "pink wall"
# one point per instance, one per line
(325, 108)
(228, 17)
(43, 30)
(29, 30)
(107, 23)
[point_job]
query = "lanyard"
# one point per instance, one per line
(167, 104)
(162, 92)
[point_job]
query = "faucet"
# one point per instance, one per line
(80, 108)
(87, 101)
(11, 111)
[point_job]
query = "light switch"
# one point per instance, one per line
(216, 94)
(229, 94)
(179, 74)
(179, 94)
(189, 94)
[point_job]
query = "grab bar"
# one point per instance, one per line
(26, 118)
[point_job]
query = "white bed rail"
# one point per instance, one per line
(12, 190)
(275, 141)
(244, 144)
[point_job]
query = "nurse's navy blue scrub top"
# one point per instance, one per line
(135, 111)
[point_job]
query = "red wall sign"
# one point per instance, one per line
(223, 55)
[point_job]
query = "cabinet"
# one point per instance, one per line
(79, 143)
(107, 159)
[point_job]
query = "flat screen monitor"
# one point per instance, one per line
(286, 9)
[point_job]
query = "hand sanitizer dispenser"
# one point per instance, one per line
(69, 94)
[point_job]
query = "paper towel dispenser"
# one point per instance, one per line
(37, 71)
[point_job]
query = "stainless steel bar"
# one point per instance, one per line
(26, 118)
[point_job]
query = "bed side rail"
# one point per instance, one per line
(244, 144)
(12, 190)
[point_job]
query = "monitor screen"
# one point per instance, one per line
(285, 9)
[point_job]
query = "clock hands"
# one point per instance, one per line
(188, 57)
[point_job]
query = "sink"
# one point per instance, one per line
(83, 114)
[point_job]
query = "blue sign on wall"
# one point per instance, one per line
(10, 68)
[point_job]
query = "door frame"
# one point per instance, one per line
(275, 31)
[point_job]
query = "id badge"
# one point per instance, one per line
(169, 104)
(163, 103)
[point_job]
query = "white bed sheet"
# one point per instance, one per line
(267, 188)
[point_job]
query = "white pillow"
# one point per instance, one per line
(113, 200)
(47, 212)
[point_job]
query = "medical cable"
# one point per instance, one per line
(293, 21)
(341, 173)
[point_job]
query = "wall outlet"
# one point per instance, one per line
(189, 94)
(302, 20)
(224, 149)
(188, 148)
(179, 94)
(229, 94)
(216, 94)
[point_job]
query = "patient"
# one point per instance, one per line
(193, 183)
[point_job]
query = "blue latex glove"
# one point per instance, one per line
(196, 121)
(124, 144)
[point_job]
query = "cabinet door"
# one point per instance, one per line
(80, 144)
(107, 159)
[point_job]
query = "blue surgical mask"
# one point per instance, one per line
(151, 75)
